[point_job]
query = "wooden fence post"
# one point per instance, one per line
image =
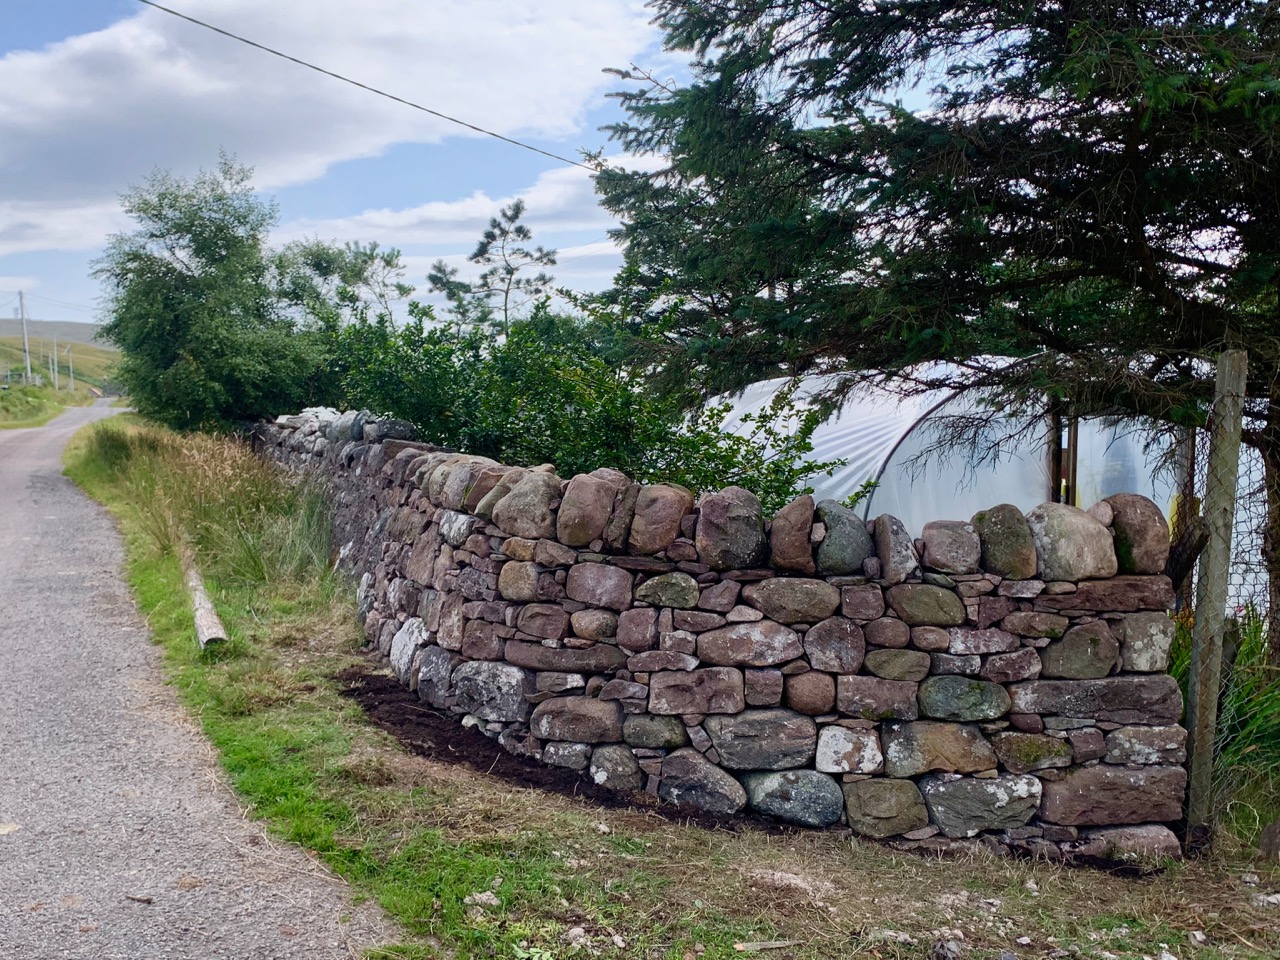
(1205, 680)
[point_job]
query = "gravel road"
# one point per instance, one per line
(118, 838)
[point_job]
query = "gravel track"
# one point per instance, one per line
(118, 838)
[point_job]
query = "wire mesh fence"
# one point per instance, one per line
(1249, 584)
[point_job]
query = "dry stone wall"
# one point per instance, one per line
(1001, 677)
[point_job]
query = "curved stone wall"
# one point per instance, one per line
(1001, 677)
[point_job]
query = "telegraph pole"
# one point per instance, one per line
(55, 361)
(26, 346)
(71, 362)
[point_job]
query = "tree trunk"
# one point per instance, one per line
(1270, 451)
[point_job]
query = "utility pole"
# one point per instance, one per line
(1205, 677)
(71, 362)
(54, 357)
(26, 346)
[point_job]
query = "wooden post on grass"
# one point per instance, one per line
(1219, 504)
(209, 627)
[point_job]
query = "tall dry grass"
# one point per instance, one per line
(246, 520)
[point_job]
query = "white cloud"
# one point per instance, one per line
(85, 117)
(559, 201)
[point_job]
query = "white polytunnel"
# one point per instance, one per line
(893, 440)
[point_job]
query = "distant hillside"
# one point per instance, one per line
(93, 362)
(48, 329)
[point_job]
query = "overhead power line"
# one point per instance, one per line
(84, 308)
(364, 86)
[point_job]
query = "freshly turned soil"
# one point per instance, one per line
(438, 736)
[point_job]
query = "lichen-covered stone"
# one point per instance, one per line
(962, 699)
(969, 665)
(835, 645)
(404, 647)
(518, 581)
(574, 756)
(1141, 534)
(1025, 752)
(1147, 745)
(1028, 623)
(895, 549)
(706, 690)
(599, 585)
(1146, 640)
(789, 546)
(759, 644)
(951, 546)
(870, 698)
(599, 658)
(1147, 841)
(577, 719)
(654, 732)
(793, 599)
(435, 676)
(1086, 652)
(526, 510)
(614, 767)
(882, 808)
(638, 629)
(922, 604)
(1021, 664)
(969, 640)
(965, 807)
(898, 664)
(911, 749)
(846, 545)
(804, 797)
(462, 478)
(763, 687)
(763, 739)
(1117, 595)
(1008, 549)
(594, 624)
(848, 750)
(689, 778)
(1127, 699)
(494, 691)
(730, 530)
(1105, 795)
(677, 590)
(658, 511)
(1070, 544)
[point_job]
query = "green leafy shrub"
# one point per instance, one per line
(544, 393)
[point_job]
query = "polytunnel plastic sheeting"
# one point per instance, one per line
(882, 436)
(863, 432)
(924, 481)
(1114, 458)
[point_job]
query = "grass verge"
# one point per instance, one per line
(22, 407)
(472, 866)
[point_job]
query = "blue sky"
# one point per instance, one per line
(98, 93)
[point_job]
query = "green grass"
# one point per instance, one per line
(22, 407)
(420, 838)
(1247, 751)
